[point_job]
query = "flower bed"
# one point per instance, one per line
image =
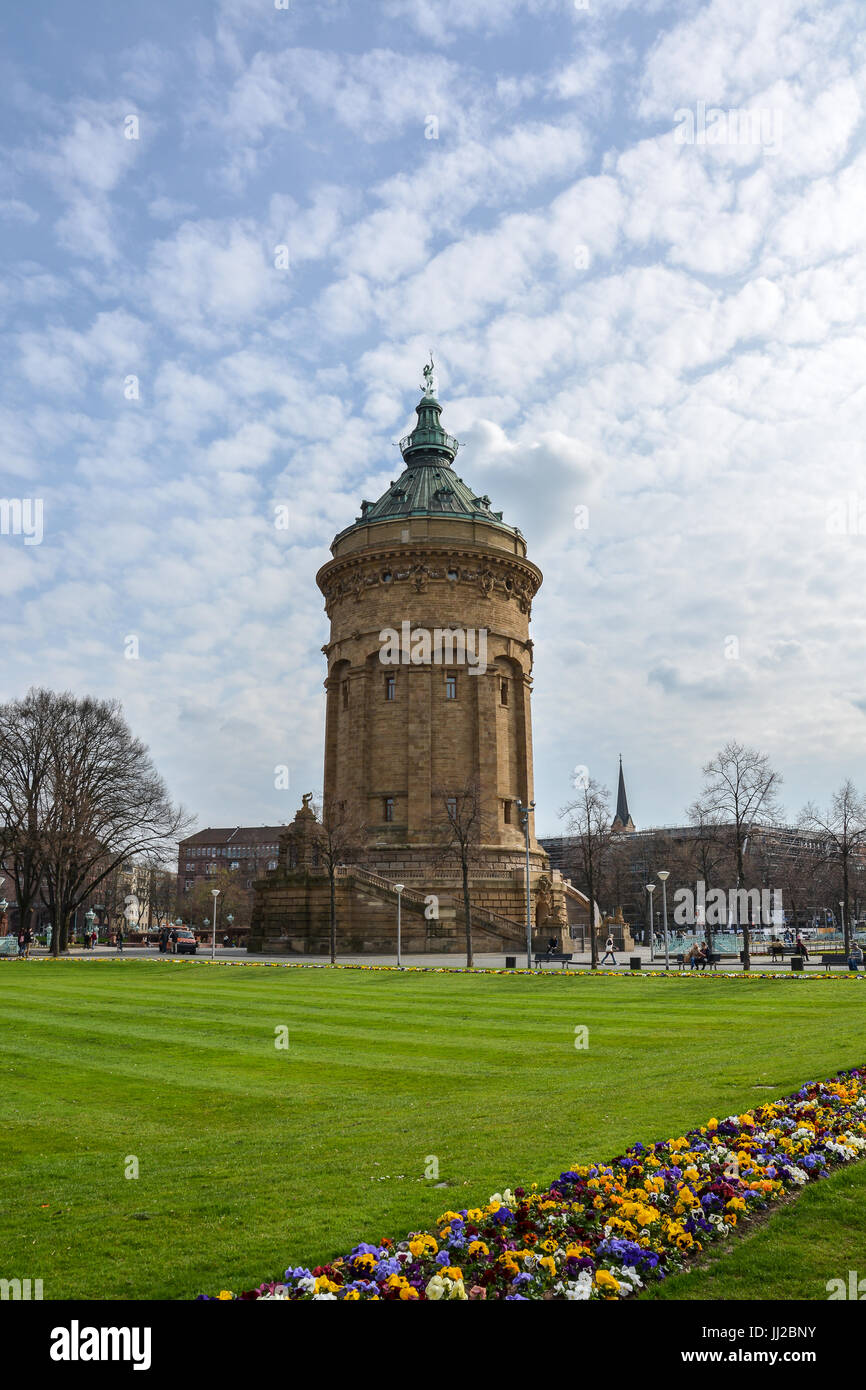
(606, 1230)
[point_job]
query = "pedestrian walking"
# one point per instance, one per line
(608, 951)
(119, 942)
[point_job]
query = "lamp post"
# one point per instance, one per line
(214, 892)
(229, 923)
(524, 813)
(398, 889)
(664, 875)
(651, 888)
(842, 916)
(90, 918)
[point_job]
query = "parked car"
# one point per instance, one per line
(186, 943)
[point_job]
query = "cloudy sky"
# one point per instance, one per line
(632, 233)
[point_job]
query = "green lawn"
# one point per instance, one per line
(252, 1157)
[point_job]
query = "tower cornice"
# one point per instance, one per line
(485, 568)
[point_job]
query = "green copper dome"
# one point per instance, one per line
(428, 443)
(429, 486)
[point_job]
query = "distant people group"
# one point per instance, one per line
(168, 940)
(697, 957)
(25, 941)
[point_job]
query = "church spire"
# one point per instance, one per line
(622, 820)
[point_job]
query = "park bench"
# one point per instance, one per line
(712, 961)
(829, 959)
(780, 952)
(564, 957)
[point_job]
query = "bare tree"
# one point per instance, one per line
(459, 834)
(741, 791)
(100, 802)
(589, 822)
(842, 831)
(338, 834)
(710, 851)
(162, 892)
(199, 903)
(24, 778)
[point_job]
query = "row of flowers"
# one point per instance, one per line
(604, 1231)
(455, 969)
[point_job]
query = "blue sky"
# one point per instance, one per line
(663, 328)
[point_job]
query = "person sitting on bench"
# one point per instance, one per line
(801, 948)
(552, 944)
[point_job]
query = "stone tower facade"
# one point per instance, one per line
(411, 719)
(429, 677)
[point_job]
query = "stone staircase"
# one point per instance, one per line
(509, 935)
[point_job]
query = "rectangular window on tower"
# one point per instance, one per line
(503, 692)
(390, 687)
(451, 686)
(506, 812)
(345, 694)
(389, 808)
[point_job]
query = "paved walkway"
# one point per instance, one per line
(454, 961)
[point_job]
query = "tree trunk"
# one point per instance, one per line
(333, 892)
(467, 913)
(60, 932)
(593, 941)
(747, 942)
(846, 916)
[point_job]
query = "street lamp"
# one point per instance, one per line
(214, 892)
(842, 912)
(398, 889)
(651, 888)
(524, 813)
(229, 920)
(664, 875)
(90, 918)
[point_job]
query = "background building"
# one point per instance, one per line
(231, 859)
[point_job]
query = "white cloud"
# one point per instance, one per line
(213, 277)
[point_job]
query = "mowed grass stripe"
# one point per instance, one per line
(250, 1157)
(819, 1237)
